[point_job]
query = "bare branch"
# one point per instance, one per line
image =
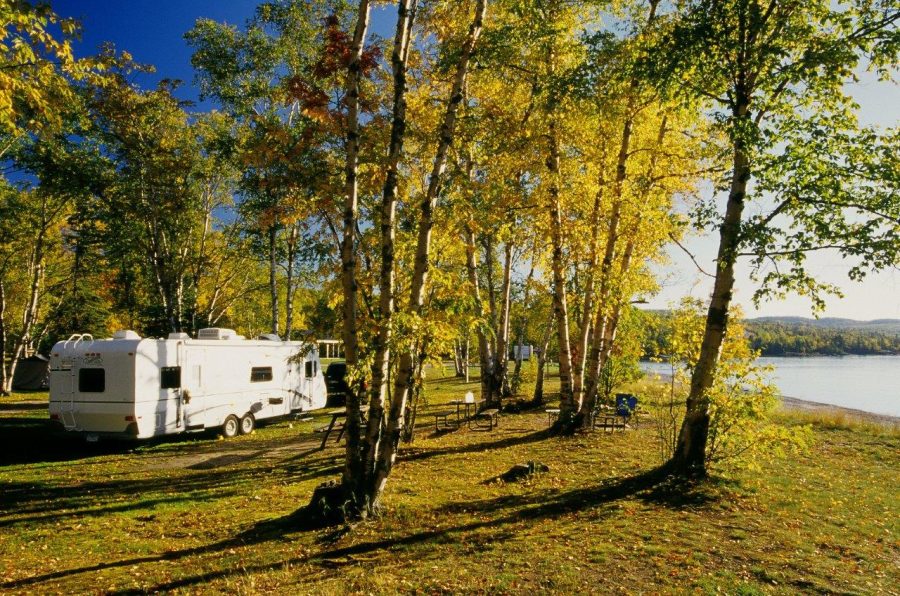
(688, 253)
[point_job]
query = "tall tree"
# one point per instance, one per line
(774, 74)
(155, 196)
(395, 420)
(38, 215)
(38, 98)
(355, 392)
(279, 79)
(406, 13)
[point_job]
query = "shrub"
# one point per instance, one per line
(742, 401)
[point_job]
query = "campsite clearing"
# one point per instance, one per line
(195, 513)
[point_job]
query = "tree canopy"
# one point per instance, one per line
(495, 174)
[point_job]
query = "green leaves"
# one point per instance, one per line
(833, 187)
(772, 76)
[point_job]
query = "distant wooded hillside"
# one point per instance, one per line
(795, 336)
(884, 325)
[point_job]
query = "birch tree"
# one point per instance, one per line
(773, 73)
(371, 457)
(394, 425)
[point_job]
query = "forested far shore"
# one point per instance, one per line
(789, 338)
(778, 339)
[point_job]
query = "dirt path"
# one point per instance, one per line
(218, 454)
(27, 437)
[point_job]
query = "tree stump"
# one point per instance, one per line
(522, 471)
(328, 505)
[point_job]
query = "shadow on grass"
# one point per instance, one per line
(413, 454)
(33, 440)
(261, 532)
(33, 502)
(26, 440)
(21, 406)
(655, 486)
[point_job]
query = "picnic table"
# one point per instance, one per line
(492, 416)
(335, 416)
(469, 405)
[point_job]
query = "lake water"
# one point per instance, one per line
(870, 383)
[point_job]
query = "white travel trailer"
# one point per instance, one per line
(144, 387)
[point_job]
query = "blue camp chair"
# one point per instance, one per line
(626, 404)
(617, 420)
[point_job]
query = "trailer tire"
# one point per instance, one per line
(248, 423)
(230, 427)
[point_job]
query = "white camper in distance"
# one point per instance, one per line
(143, 387)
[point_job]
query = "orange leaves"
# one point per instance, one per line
(338, 51)
(313, 101)
(310, 90)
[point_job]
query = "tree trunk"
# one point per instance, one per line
(560, 308)
(3, 371)
(423, 246)
(461, 356)
(352, 472)
(501, 355)
(289, 283)
(409, 415)
(523, 320)
(538, 397)
(690, 452)
(458, 358)
(199, 264)
(29, 315)
(581, 357)
(466, 364)
(488, 241)
(380, 368)
(485, 354)
(273, 278)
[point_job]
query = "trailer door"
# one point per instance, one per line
(310, 369)
(193, 399)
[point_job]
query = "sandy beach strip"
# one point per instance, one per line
(802, 405)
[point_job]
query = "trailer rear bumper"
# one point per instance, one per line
(98, 418)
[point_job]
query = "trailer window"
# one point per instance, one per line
(309, 369)
(259, 374)
(91, 380)
(170, 377)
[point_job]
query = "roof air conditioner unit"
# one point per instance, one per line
(126, 334)
(216, 333)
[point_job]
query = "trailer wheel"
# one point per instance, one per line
(248, 423)
(230, 427)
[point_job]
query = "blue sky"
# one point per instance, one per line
(152, 31)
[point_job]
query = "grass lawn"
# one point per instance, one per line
(197, 514)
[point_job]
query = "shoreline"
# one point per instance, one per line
(803, 405)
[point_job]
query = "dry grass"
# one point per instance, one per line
(826, 418)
